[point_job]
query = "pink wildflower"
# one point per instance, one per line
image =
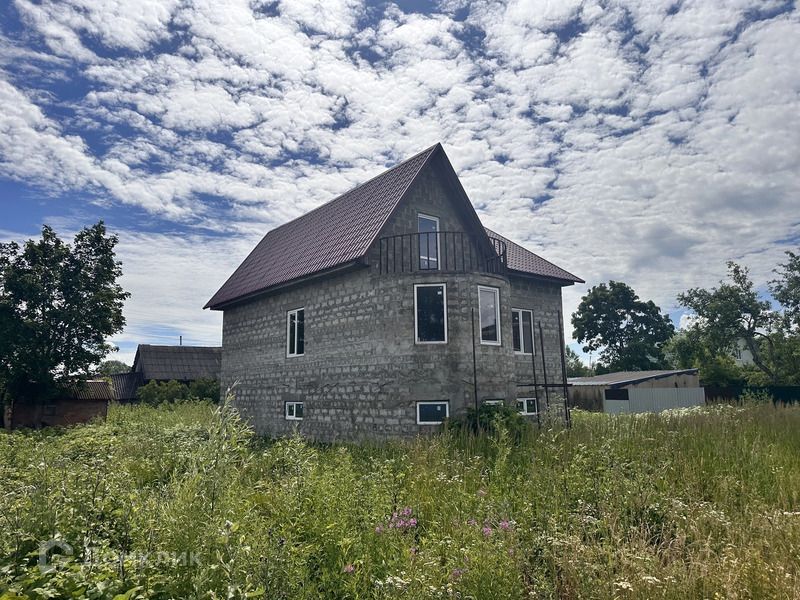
(349, 568)
(505, 525)
(472, 522)
(379, 529)
(487, 531)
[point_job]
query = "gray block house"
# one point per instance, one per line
(388, 309)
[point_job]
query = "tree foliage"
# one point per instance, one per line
(575, 366)
(731, 312)
(786, 290)
(112, 367)
(58, 305)
(629, 331)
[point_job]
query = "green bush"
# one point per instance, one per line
(158, 392)
(488, 418)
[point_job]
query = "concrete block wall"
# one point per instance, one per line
(362, 373)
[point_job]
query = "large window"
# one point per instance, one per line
(522, 330)
(527, 406)
(430, 310)
(293, 411)
(489, 309)
(432, 413)
(428, 228)
(295, 332)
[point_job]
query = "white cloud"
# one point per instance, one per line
(627, 140)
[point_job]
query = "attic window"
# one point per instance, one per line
(428, 228)
(295, 332)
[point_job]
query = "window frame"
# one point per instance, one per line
(526, 400)
(438, 243)
(416, 313)
(494, 402)
(293, 404)
(521, 332)
(429, 402)
(289, 314)
(496, 291)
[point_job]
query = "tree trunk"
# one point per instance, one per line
(751, 345)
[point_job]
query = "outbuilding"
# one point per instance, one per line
(637, 391)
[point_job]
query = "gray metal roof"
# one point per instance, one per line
(126, 384)
(182, 363)
(339, 234)
(621, 378)
(93, 389)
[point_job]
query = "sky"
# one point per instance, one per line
(643, 141)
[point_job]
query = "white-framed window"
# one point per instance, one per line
(430, 313)
(528, 406)
(432, 413)
(495, 402)
(489, 313)
(293, 411)
(428, 228)
(296, 332)
(522, 331)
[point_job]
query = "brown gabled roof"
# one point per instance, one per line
(181, 363)
(92, 389)
(524, 261)
(331, 235)
(338, 234)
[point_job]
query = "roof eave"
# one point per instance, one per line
(351, 265)
(560, 280)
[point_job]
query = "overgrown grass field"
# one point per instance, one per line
(183, 502)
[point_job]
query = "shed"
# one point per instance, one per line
(165, 363)
(637, 391)
(79, 404)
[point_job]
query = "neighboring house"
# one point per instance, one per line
(388, 309)
(80, 404)
(165, 363)
(741, 354)
(637, 391)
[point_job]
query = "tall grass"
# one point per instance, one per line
(183, 502)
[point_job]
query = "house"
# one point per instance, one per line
(637, 391)
(79, 404)
(165, 363)
(388, 309)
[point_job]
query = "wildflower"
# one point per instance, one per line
(456, 574)
(505, 525)
(412, 522)
(379, 529)
(472, 522)
(413, 550)
(348, 568)
(407, 511)
(487, 531)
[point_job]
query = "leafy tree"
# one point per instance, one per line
(686, 350)
(786, 290)
(58, 305)
(205, 389)
(575, 366)
(112, 367)
(732, 312)
(629, 331)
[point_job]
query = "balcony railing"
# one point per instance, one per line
(445, 251)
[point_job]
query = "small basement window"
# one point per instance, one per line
(527, 406)
(494, 402)
(432, 413)
(295, 332)
(294, 411)
(489, 312)
(430, 313)
(522, 330)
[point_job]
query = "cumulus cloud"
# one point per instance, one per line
(646, 141)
